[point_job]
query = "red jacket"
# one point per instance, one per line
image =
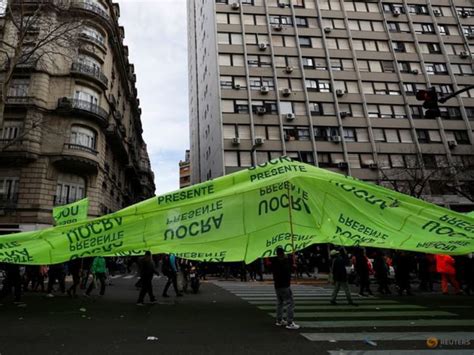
(445, 264)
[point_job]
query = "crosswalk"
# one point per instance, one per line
(343, 324)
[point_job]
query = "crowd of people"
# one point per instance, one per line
(391, 271)
(89, 274)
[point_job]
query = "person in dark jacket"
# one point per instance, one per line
(381, 270)
(403, 265)
(362, 270)
(147, 270)
(339, 276)
(74, 268)
(282, 268)
(12, 282)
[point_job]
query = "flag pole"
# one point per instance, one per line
(290, 216)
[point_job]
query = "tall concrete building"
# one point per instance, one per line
(71, 125)
(333, 83)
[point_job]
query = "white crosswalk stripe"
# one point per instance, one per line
(313, 312)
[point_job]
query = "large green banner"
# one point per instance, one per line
(72, 213)
(248, 214)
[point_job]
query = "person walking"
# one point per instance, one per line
(147, 270)
(281, 268)
(362, 270)
(445, 265)
(75, 272)
(56, 273)
(12, 283)
(98, 270)
(403, 265)
(339, 276)
(170, 270)
(381, 273)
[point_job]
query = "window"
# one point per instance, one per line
(262, 61)
(318, 85)
(83, 136)
(86, 94)
(461, 137)
(19, 88)
(418, 9)
(301, 22)
(423, 136)
(450, 113)
(436, 68)
(9, 188)
(70, 188)
(350, 134)
(229, 38)
(11, 130)
(304, 42)
(399, 47)
(296, 133)
(323, 133)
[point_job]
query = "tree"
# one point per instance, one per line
(421, 177)
(38, 34)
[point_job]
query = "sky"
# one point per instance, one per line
(155, 32)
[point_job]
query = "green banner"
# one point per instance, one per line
(246, 215)
(72, 213)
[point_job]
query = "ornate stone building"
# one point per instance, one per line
(71, 124)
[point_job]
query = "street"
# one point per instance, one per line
(234, 318)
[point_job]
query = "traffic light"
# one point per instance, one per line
(430, 98)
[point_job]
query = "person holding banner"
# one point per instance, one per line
(282, 269)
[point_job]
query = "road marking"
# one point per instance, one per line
(115, 276)
(348, 307)
(388, 323)
(326, 302)
(129, 277)
(366, 314)
(392, 336)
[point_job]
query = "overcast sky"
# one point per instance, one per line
(155, 31)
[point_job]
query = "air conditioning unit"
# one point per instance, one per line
(344, 114)
(396, 13)
(464, 14)
(237, 86)
(236, 141)
(339, 92)
(327, 29)
(235, 6)
(437, 13)
(335, 139)
(342, 165)
(262, 46)
(286, 92)
(261, 110)
(464, 54)
(259, 141)
(415, 71)
(452, 144)
(289, 69)
(282, 5)
(290, 116)
(277, 28)
(264, 90)
(373, 166)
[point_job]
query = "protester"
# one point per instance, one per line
(74, 267)
(12, 282)
(282, 268)
(98, 270)
(426, 271)
(403, 266)
(170, 270)
(362, 269)
(38, 281)
(445, 266)
(339, 276)
(57, 273)
(381, 271)
(469, 286)
(147, 270)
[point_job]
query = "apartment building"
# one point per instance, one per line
(71, 125)
(333, 83)
(185, 171)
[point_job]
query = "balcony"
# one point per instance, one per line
(19, 101)
(85, 108)
(77, 158)
(91, 73)
(16, 151)
(8, 201)
(93, 40)
(91, 9)
(116, 137)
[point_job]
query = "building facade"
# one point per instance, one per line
(333, 83)
(185, 171)
(71, 125)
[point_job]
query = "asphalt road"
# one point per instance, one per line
(234, 318)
